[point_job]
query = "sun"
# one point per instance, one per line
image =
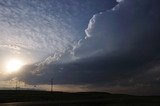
(13, 65)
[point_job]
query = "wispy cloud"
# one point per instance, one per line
(25, 26)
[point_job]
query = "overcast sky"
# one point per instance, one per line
(84, 45)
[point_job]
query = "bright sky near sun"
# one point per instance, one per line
(13, 65)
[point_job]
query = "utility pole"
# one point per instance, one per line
(51, 84)
(16, 85)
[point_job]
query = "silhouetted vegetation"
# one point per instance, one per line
(80, 98)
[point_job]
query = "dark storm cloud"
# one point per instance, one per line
(124, 30)
(121, 47)
(128, 35)
(87, 71)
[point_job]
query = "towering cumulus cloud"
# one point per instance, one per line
(133, 25)
(127, 37)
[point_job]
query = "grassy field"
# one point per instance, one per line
(78, 99)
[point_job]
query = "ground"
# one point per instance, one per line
(45, 98)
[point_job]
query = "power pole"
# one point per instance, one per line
(51, 84)
(16, 85)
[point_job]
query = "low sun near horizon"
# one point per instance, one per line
(13, 65)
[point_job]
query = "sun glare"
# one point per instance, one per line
(13, 65)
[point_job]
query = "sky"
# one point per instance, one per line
(83, 45)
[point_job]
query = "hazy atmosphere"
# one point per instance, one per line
(82, 45)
